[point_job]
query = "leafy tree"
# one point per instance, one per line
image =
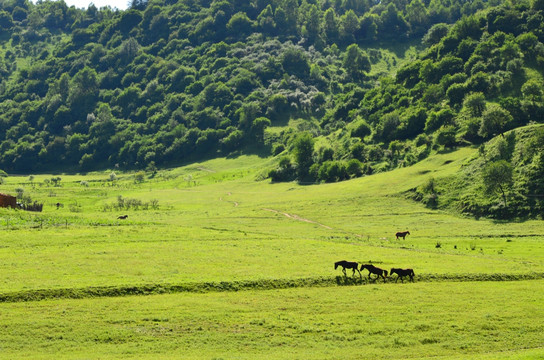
(368, 27)
(312, 24)
(295, 62)
(84, 91)
(475, 103)
(417, 16)
(129, 19)
(330, 25)
(303, 149)
(498, 177)
(361, 130)
(266, 21)
(395, 147)
(356, 62)
(494, 121)
(445, 136)
(349, 25)
(392, 22)
(257, 129)
(532, 90)
(240, 24)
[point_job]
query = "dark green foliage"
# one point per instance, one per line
(303, 148)
(435, 34)
(295, 62)
(167, 82)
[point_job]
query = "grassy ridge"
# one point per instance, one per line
(267, 284)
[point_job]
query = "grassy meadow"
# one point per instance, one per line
(218, 223)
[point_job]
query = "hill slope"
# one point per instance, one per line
(168, 82)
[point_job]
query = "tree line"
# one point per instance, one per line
(166, 81)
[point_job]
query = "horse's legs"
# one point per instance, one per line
(344, 271)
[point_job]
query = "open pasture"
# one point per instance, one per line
(457, 320)
(217, 222)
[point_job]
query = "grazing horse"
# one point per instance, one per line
(375, 270)
(401, 273)
(402, 234)
(347, 265)
(122, 217)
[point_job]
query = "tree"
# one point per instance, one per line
(266, 20)
(475, 104)
(417, 16)
(84, 91)
(303, 149)
(330, 25)
(356, 61)
(349, 24)
(392, 21)
(532, 90)
(396, 147)
(313, 24)
(494, 121)
(240, 24)
(361, 130)
(258, 127)
(295, 62)
(445, 136)
(498, 178)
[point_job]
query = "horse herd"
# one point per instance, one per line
(401, 273)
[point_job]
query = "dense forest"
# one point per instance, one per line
(167, 82)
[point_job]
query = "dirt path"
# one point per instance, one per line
(296, 217)
(229, 194)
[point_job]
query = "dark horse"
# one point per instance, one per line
(347, 265)
(375, 270)
(122, 217)
(401, 273)
(402, 234)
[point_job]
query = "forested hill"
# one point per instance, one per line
(168, 81)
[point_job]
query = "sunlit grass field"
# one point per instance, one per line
(218, 222)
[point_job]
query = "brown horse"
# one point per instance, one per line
(347, 265)
(375, 270)
(401, 273)
(402, 234)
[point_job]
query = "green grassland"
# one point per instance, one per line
(218, 227)
(445, 320)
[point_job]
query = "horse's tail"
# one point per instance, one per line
(385, 273)
(412, 272)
